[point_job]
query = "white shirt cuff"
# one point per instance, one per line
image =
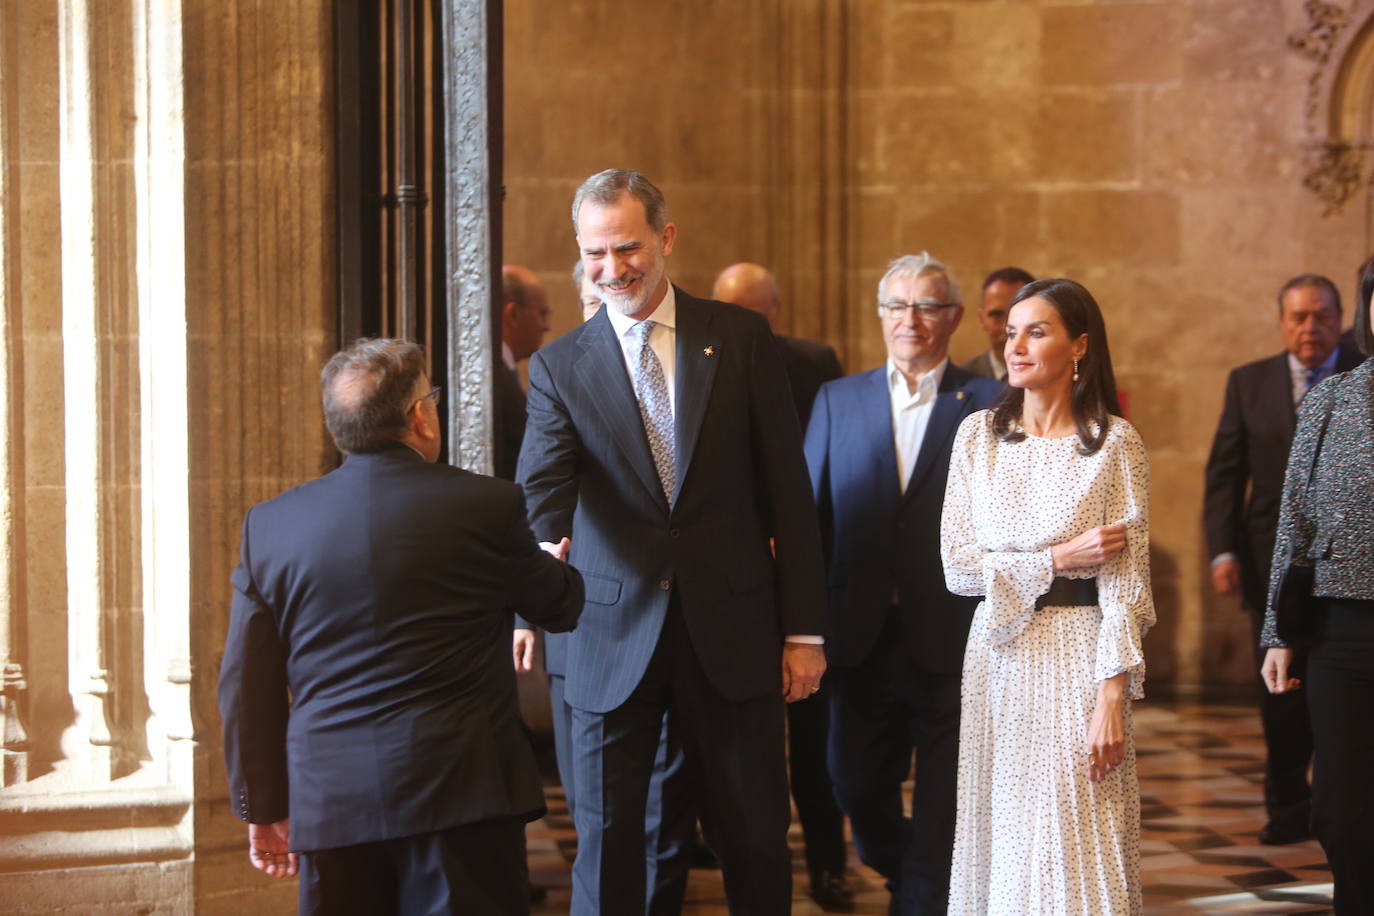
(807, 640)
(1220, 558)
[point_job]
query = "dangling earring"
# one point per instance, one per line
(1075, 370)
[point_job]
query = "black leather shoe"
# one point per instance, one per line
(1281, 833)
(830, 893)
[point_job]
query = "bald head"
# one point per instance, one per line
(751, 286)
(524, 310)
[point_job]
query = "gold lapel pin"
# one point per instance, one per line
(709, 351)
(958, 395)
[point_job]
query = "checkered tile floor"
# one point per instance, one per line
(1200, 774)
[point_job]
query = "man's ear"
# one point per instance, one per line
(669, 236)
(508, 314)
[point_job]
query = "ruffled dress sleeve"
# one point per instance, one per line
(1123, 582)
(1009, 581)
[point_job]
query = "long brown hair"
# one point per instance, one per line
(1094, 398)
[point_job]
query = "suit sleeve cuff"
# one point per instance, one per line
(807, 640)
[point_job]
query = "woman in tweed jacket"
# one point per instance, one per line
(1329, 524)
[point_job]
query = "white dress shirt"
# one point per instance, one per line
(508, 356)
(663, 340)
(911, 414)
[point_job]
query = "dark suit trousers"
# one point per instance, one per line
(735, 763)
(822, 822)
(472, 870)
(1340, 691)
(883, 709)
(1287, 739)
(670, 815)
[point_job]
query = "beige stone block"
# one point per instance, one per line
(971, 228)
(1112, 228)
(1229, 40)
(38, 254)
(1218, 134)
(997, 45)
(1106, 44)
(163, 889)
(953, 138)
(918, 48)
(33, 39)
(1244, 228)
(1086, 136)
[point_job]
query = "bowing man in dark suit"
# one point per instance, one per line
(662, 440)
(809, 364)
(878, 449)
(371, 731)
(524, 322)
(1244, 483)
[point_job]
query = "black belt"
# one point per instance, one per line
(1068, 593)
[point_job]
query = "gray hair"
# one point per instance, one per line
(577, 276)
(918, 265)
(368, 389)
(606, 187)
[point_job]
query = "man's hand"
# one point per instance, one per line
(1091, 548)
(559, 550)
(1274, 671)
(802, 667)
(1226, 577)
(270, 850)
(522, 647)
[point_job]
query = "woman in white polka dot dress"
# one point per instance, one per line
(1046, 517)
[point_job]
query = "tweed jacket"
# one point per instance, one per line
(1331, 521)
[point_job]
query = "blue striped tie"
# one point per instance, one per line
(651, 390)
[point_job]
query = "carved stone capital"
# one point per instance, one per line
(1335, 173)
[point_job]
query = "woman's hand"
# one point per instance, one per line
(1091, 548)
(1275, 671)
(1106, 744)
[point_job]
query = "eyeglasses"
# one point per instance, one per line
(433, 393)
(926, 309)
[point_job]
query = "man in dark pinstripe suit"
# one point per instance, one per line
(663, 443)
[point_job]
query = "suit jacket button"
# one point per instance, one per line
(674, 533)
(665, 584)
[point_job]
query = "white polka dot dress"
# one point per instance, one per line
(1034, 836)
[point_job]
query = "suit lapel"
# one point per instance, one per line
(951, 406)
(1279, 390)
(698, 355)
(873, 418)
(601, 367)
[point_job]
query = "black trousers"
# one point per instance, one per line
(882, 711)
(472, 870)
(822, 822)
(736, 767)
(1340, 693)
(1287, 740)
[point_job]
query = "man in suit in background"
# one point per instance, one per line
(662, 440)
(998, 289)
(524, 322)
(878, 449)
(365, 689)
(1244, 482)
(809, 363)
(809, 366)
(587, 294)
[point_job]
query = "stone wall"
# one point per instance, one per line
(1155, 151)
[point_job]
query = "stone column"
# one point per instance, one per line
(87, 742)
(14, 737)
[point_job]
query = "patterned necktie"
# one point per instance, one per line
(1313, 376)
(651, 390)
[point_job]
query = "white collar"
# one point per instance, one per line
(665, 314)
(1325, 367)
(508, 356)
(929, 382)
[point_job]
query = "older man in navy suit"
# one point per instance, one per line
(365, 687)
(663, 441)
(878, 448)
